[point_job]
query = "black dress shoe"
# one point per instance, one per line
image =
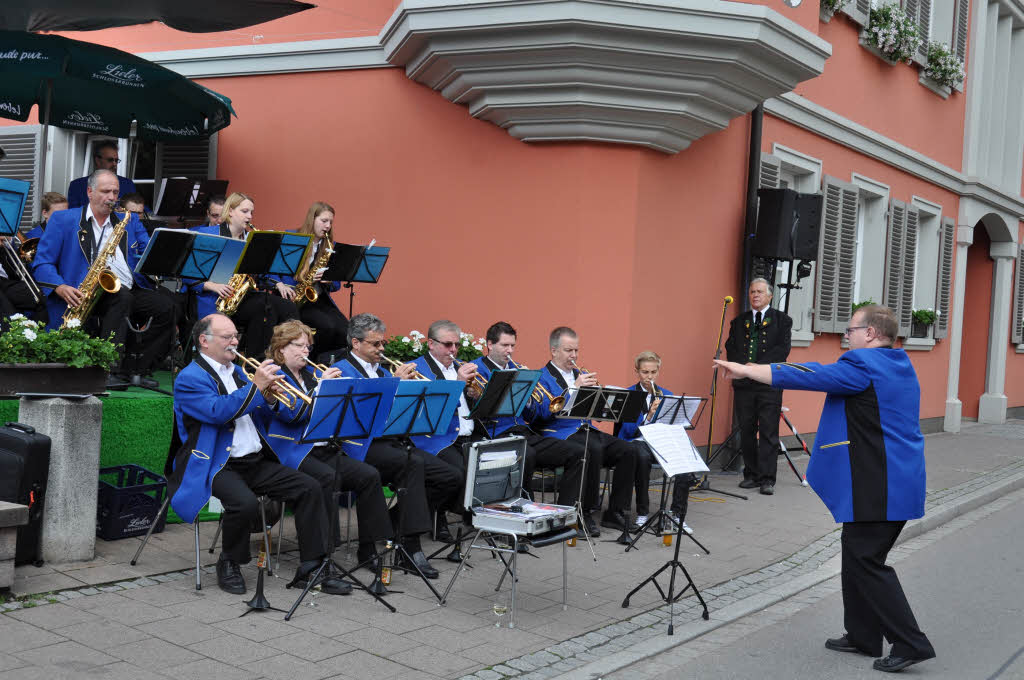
(330, 584)
(894, 664)
(591, 525)
(748, 484)
(229, 577)
(614, 519)
(419, 560)
(842, 644)
(767, 489)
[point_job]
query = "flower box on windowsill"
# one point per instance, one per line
(919, 330)
(51, 379)
(938, 88)
(875, 51)
(824, 15)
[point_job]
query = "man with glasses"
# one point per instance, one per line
(868, 467)
(429, 482)
(221, 421)
(758, 336)
(104, 157)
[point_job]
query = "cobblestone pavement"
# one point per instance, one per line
(107, 619)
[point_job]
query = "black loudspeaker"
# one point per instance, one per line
(788, 224)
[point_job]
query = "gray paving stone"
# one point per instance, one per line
(70, 655)
(505, 670)
(488, 675)
(521, 664)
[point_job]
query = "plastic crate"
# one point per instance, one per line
(130, 498)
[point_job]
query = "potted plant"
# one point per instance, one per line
(408, 347)
(922, 319)
(943, 67)
(828, 8)
(65, 361)
(893, 33)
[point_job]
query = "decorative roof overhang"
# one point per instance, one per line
(655, 73)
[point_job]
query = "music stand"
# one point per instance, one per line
(356, 264)
(421, 407)
(273, 253)
(610, 404)
(506, 394)
(343, 409)
(13, 195)
(186, 197)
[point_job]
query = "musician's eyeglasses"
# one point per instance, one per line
(226, 338)
(112, 159)
(850, 329)
(301, 345)
(379, 344)
(449, 345)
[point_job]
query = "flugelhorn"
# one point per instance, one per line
(316, 366)
(291, 393)
(555, 404)
(478, 380)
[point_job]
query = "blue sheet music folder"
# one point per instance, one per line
(345, 408)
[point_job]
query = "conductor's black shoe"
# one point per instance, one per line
(614, 519)
(591, 525)
(229, 577)
(748, 484)
(894, 664)
(842, 644)
(419, 560)
(767, 489)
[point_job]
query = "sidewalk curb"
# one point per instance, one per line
(935, 518)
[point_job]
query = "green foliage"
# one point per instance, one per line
(25, 342)
(944, 67)
(925, 316)
(864, 303)
(833, 6)
(893, 32)
(409, 347)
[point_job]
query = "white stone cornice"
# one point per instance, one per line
(655, 73)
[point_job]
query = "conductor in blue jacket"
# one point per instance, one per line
(868, 467)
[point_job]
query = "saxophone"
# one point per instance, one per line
(306, 288)
(99, 278)
(241, 284)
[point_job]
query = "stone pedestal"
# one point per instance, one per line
(12, 516)
(69, 513)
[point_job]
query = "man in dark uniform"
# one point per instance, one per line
(868, 467)
(758, 336)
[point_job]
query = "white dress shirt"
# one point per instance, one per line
(451, 373)
(245, 439)
(371, 369)
(101, 234)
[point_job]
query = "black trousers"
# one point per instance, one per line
(568, 455)
(406, 472)
(358, 477)
(239, 483)
(604, 450)
(331, 325)
(113, 310)
(455, 458)
(15, 298)
(757, 410)
(874, 605)
(257, 315)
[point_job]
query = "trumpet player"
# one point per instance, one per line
(541, 451)
(259, 311)
(65, 254)
(429, 481)
(603, 450)
(290, 348)
(222, 419)
(323, 313)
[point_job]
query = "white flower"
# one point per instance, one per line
(30, 334)
(73, 323)
(478, 348)
(416, 334)
(481, 340)
(465, 343)
(14, 317)
(31, 324)
(406, 340)
(417, 345)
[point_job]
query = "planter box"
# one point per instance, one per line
(919, 330)
(51, 378)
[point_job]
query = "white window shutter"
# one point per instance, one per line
(963, 10)
(944, 276)
(771, 169)
(21, 144)
(906, 308)
(920, 11)
(1017, 332)
(837, 247)
(892, 285)
(859, 11)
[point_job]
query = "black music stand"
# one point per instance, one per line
(13, 195)
(610, 404)
(506, 395)
(343, 409)
(186, 197)
(273, 253)
(421, 407)
(356, 264)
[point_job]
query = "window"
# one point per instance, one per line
(872, 228)
(929, 237)
(1017, 331)
(21, 144)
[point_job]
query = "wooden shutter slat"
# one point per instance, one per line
(1017, 332)
(859, 11)
(906, 307)
(944, 276)
(894, 254)
(960, 25)
(837, 247)
(771, 171)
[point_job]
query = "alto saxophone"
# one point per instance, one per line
(99, 278)
(306, 288)
(241, 284)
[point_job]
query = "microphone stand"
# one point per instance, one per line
(703, 484)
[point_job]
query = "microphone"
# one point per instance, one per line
(728, 299)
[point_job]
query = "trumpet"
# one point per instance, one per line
(581, 370)
(291, 393)
(398, 364)
(478, 380)
(316, 366)
(540, 392)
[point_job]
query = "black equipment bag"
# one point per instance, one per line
(24, 469)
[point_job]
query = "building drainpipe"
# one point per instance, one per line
(753, 182)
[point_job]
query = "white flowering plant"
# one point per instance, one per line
(830, 7)
(408, 347)
(943, 66)
(893, 32)
(925, 316)
(26, 342)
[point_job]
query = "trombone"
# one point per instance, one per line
(478, 380)
(291, 393)
(540, 392)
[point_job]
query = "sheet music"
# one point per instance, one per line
(673, 447)
(668, 414)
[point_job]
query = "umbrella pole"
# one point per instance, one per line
(46, 129)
